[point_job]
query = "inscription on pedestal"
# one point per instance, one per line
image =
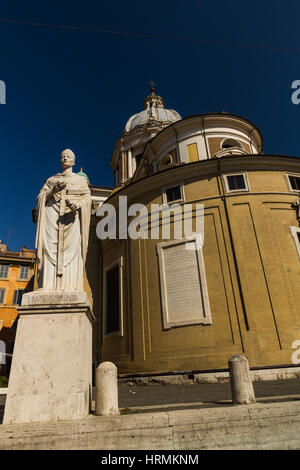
(55, 298)
(183, 285)
(47, 299)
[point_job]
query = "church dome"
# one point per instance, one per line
(83, 174)
(154, 112)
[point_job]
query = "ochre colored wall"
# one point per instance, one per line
(267, 264)
(92, 282)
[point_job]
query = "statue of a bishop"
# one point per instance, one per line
(64, 210)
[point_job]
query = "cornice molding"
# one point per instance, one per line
(206, 169)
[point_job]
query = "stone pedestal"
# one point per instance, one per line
(51, 371)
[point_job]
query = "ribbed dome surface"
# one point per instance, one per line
(150, 115)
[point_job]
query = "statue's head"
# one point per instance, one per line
(67, 158)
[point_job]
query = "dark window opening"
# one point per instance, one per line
(138, 159)
(236, 182)
(2, 292)
(173, 194)
(18, 296)
(112, 300)
(228, 143)
(295, 182)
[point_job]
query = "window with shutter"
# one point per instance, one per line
(2, 294)
(4, 268)
(24, 270)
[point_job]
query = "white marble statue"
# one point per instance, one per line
(64, 210)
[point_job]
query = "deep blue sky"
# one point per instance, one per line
(69, 88)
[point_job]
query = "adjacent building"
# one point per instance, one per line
(16, 277)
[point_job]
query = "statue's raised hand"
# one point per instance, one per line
(59, 187)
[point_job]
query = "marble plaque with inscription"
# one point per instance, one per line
(183, 284)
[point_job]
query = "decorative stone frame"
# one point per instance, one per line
(237, 173)
(296, 175)
(120, 332)
(237, 142)
(230, 151)
(294, 231)
(164, 193)
(204, 319)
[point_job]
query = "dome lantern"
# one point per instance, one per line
(154, 112)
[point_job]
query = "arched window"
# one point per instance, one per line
(228, 143)
(165, 162)
(168, 160)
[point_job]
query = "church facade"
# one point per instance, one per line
(161, 307)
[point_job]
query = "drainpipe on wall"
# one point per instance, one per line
(223, 197)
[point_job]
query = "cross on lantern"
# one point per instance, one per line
(152, 85)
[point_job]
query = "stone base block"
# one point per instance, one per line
(51, 373)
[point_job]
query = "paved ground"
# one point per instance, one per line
(155, 397)
(164, 394)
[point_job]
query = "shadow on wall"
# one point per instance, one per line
(93, 271)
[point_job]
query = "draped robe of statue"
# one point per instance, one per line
(75, 230)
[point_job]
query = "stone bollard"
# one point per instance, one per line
(240, 380)
(106, 390)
